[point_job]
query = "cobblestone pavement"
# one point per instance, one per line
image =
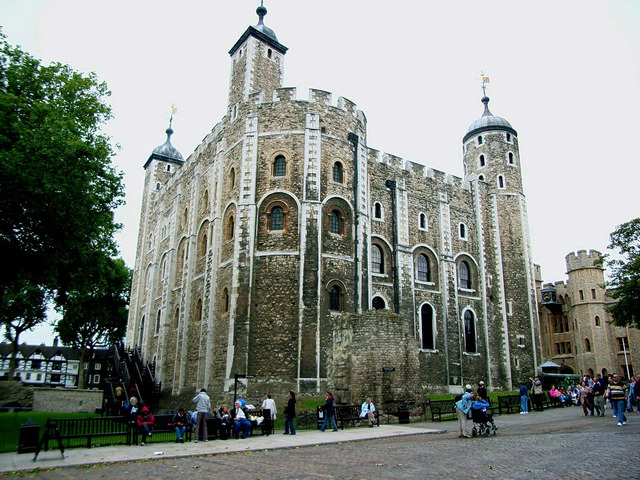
(561, 444)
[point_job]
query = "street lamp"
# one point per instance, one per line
(235, 383)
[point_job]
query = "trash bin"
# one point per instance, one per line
(29, 437)
(319, 417)
(403, 413)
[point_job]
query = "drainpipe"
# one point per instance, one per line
(390, 184)
(353, 138)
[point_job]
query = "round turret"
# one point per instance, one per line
(488, 121)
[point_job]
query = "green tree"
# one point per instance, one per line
(58, 185)
(96, 309)
(22, 307)
(624, 283)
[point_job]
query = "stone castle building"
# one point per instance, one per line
(577, 331)
(284, 224)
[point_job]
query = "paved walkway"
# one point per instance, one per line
(558, 443)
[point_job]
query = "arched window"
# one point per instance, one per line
(481, 161)
(225, 300)
(232, 177)
(378, 303)
(185, 217)
(335, 299)
(158, 316)
(422, 221)
(377, 259)
(203, 244)
(205, 200)
(469, 332)
(427, 328)
(587, 345)
(198, 313)
(141, 334)
(465, 275)
(463, 231)
(231, 227)
(511, 159)
(277, 219)
(424, 272)
(479, 139)
(176, 318)
(500, 181)
(336, 222)
(280, 166)
(338, 173)
(597, 321)
(164, 269)
(377, 211)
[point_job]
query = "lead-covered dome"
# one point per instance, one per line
(488, 121)
(166, 152)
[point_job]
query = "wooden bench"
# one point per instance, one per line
(439, 408)
(351, 413)
(163, 425)
(509, 403)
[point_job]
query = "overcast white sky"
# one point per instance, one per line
(564, 73)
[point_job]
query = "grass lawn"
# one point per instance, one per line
(10, 423)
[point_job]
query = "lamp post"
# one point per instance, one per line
(235, 383)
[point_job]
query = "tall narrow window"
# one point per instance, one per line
(463, 231)
(198, 313)
(225, 300)
(377, 257)
(469, 332)
(511, 160)
(336, 223)
(158, 321)
(427, 327)
(422, 222)
(481, 161)
(587, 345)
(277, 219)
(479, 139)
(597, 321)
(232, 178)
(500, 181)
(141, 334)
(176, 318)
(280, 166)
(424, 274)
(231, 227)
(338, 174)
(377, 210)
(465, 275)
(335, 298)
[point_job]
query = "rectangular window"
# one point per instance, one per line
(39, 377)
(55, 378)
(35, 365)
(509, 308)
(558, 349)
(28, 376)
(97, 366)
(623, 344)
(593, 293)
(568, 347)
(96, 379)
(581, 294)
(56, 366)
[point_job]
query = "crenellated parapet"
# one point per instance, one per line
(583, 259)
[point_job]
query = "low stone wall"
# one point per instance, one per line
(65, 400)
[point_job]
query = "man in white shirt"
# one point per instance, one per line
(270, 403)
(240, 421)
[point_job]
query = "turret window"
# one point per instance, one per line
(481, 161)
(512, 160)
(479, 139)
(500, 182)
(338, 172)
(462, 230)
(508, 137)
(469, 332)
(422, 222)
(377, 211)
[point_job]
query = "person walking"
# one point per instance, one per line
(536, 397)
(462, 409)
(598, 395)
(329, 413)
(617, 394)
(290, 414)
(203, 407)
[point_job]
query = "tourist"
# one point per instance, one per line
(524, 398)
(586, 399)
(243, 402)
(462, 409)
(329, 413)
(180, 422)
(203, 407)
(367, 411)
(240, 420)
(598, 395)
(482, 391)
(617, 394)
(224, 422)
(145, 423)
(270, 403)
(290, 414)
(536, 397)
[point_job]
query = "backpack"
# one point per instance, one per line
(458, 397)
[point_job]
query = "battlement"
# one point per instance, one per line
(316, 96)
(582, 259)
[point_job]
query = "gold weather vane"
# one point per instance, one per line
(485, 82)
(174, 110)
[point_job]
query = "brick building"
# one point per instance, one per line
(576, 328)
(284, 224)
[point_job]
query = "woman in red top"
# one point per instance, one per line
(145, 423)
